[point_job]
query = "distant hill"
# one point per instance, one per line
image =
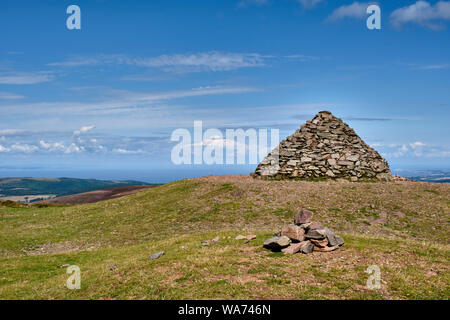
(97, 195)
(437, 176)
(34, 189)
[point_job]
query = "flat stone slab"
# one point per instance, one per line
(326, 249)
(316, 234)
(304, 216)
(293, 232)
(293, 248)
(157, 255)
(277, 243)
(308, 247)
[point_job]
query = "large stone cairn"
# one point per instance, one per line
(304, 236)
(324, 147)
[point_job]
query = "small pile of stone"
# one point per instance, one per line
(304, 236)
(399, 178)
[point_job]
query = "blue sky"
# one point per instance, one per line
(108, 96)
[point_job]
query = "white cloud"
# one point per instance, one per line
(7, 132)
(356, 10)
(73, 148)
(434, 67)
(83, 130)
(301, 57)
(415, 149)
(194, 62)
(56, 146)
(206, 61)
(417, 144)
(25, 148)
(3, 149)
(25, 78)
(122, 102)
(125, 151)
(422, 13)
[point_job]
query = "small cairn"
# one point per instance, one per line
(304, 236)
(399, 178)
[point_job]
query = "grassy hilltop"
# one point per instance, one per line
(402, 227)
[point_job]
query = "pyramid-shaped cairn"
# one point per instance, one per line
(324, 147)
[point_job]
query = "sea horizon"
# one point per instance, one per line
(166, 175)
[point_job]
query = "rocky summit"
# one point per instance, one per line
(324, 147)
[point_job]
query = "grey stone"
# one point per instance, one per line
(320, 243)
(157, 255)
(314, 225)
(304, 216)
(293, 232)
(293, 248)
(308, 247)
(399, 214)
(317, 234)
(326, 249)
(277, 243)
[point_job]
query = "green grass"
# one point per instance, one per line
(230, 270)
(412, 252)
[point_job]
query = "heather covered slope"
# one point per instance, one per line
(402, 227)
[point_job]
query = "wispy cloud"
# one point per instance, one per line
(434, 67)
(368, 119)
(126, 151)
(25, 78)
(416, 149)
(193, 62)
(356, 10)
(83, 130)
(301, 57)
(10, 96)
(208, 61)
(247, 3)
(121, 102)
(422, 13)
(7, 132)
(80, 61)
(309, 4)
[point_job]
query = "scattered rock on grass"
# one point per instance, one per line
(157, 255)
(208, 242)
(399, 214)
